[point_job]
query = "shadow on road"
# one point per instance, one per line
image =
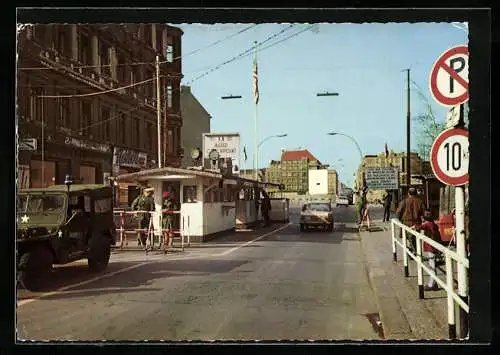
(144, 276)
(70, 274)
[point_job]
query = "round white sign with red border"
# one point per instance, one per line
(449, 78)
(450, 157)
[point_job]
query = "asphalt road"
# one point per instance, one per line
(285, 285)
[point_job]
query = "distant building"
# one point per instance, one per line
(318, 182)
(196, 121)
(292, 170)
(396, 160)
(333, 182)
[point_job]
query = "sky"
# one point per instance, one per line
(364, 63)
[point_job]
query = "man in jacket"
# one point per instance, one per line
(410, 212)
(144, 202)
(387, 206)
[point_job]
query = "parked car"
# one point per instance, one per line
(316, 214)
(60, 224)
(342, 201)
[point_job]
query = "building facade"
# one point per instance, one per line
(67, 102)
(292, 170)
(195, 122)
(333, 182)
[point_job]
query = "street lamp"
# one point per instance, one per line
(273, 136)
(352, 139)
(230, 97)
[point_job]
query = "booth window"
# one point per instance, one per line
(189, 194)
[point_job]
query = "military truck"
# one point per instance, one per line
(61, 224)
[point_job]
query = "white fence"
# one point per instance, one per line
(450, 257)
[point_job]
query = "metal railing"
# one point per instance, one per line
(183, 233)
(450, 257)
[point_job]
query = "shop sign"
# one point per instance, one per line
(129, 158)
(104, 148)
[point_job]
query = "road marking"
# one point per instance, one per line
(253, 240)
(29, 300)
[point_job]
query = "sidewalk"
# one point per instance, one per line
(403, 314)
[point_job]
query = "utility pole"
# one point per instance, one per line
(158, 109)
(408, 136)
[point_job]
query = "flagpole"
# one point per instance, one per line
(256, 149)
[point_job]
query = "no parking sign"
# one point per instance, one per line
(449, 78)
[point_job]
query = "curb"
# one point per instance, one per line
(401, 331)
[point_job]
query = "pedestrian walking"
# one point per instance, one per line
(168, 207)
(265, 207)
(430, 229)
(410, 213)
(146, 204)
(362, 204)
(387, 206)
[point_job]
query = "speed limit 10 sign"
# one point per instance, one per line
(450, 157)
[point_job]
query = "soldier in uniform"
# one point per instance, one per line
(144, 202)
(168, 218)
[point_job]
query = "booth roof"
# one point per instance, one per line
(145, 174)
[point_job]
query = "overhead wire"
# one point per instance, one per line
(237, 57)
(151, 63)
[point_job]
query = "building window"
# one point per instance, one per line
(170, 142)
(87, 174)
(123, 128)
(170, 53)
(149, 135)
(63, 39)
(169, 96)
(121, 70)
(63, 112)
(86, 121)
(42, 173)
(106, 122)
(104, 56)
(36, 104)
(148, 35)
(159, 37)
(137, 132)
(84, 49)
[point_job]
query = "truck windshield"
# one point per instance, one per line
(40, 203)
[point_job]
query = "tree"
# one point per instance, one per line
(426, 126)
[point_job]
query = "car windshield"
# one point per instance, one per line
(319, 207)
(40, 203)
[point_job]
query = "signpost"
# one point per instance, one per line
(449, 78)
(28, 144)
(450, 163)
(382, 178)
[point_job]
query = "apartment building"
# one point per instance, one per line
(68, 105)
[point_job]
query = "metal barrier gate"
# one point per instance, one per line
(166, 236)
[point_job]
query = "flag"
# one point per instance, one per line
(245, 153)
(386, 151)
(255, 82)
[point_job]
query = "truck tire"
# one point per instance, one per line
(99, 253)
(34, 266)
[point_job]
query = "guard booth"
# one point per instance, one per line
(207, 199)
